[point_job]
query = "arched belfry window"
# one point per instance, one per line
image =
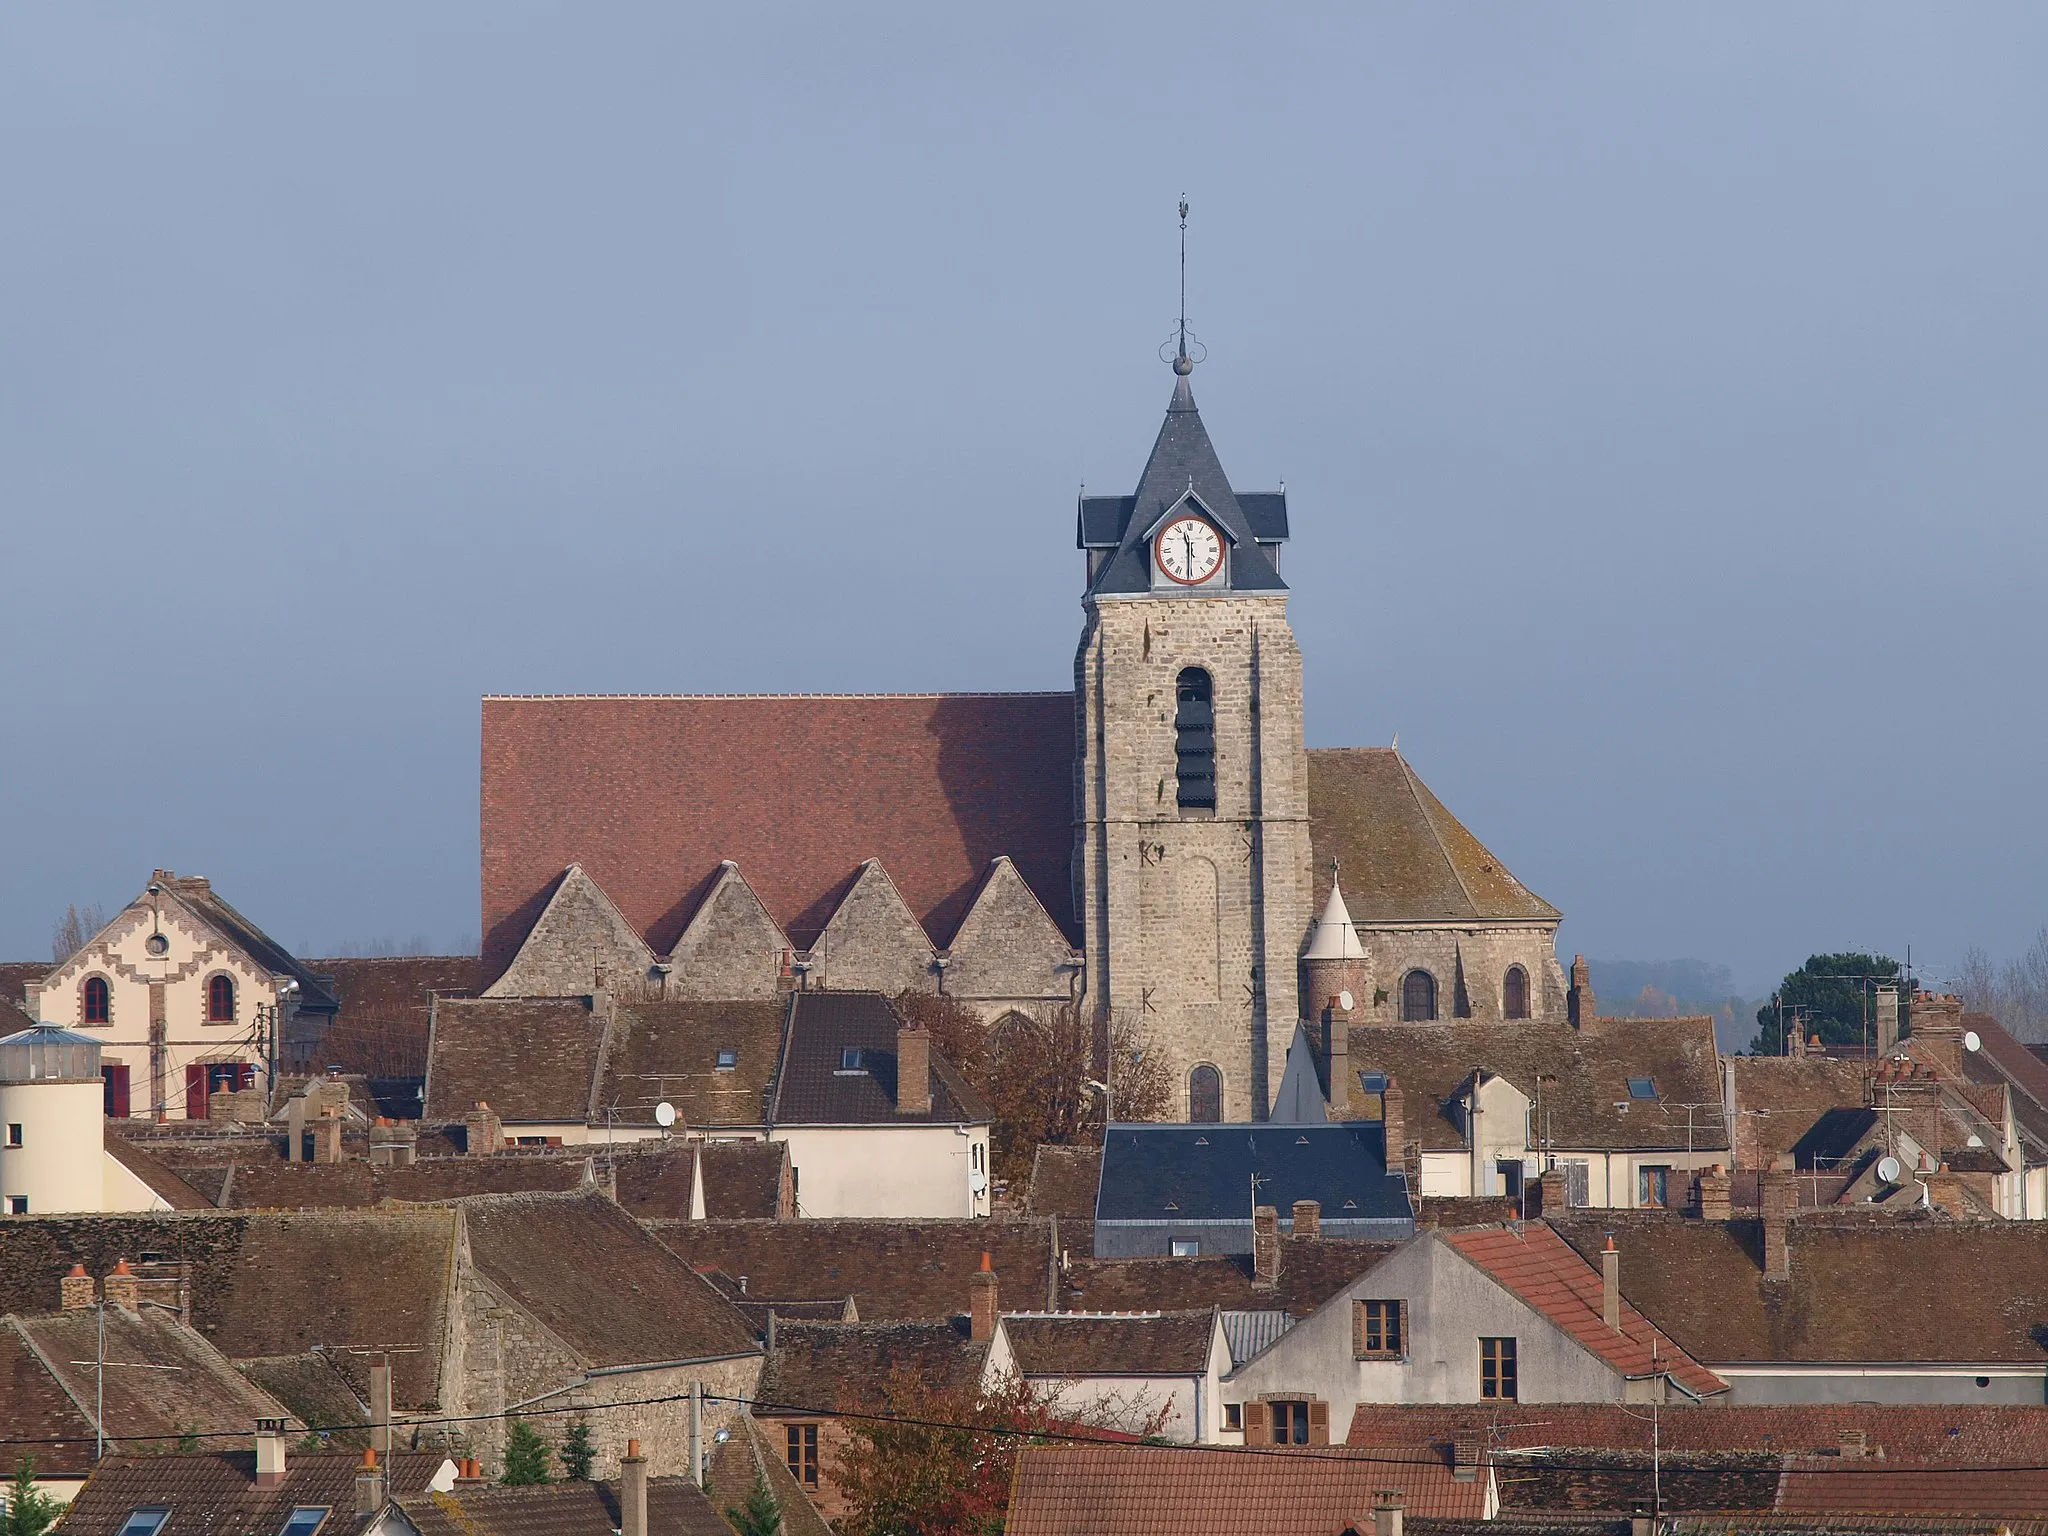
(99, 1001)
(1515, 993)
(1418, 997)
(220, 1000)
(1194, 740)
(1205, 1095)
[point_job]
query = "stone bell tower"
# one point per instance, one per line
(1191, 785)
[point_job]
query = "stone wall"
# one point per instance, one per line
(732, 949)
(580, 942)
(1480, 956)
(872, 941)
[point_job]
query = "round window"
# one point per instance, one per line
(157, 944)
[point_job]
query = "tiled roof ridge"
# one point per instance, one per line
(1098, 1316)
(970, 693)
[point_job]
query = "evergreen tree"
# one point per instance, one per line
(30, 1512)
(578, 1452)
(1833, 996)
(526, 1455)
(760, 1515)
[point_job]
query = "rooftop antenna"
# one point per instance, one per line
(1187, 349)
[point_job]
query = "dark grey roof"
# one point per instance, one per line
(1266, 512)
(1183, 458)
(813, 1088)
(1188, 1173)
(1103, 520)
(316, 993)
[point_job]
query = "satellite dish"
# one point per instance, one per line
(664, 1114)
(977, 1181)
(1888, 1170)
(1971, 1042)
(1344, 1001)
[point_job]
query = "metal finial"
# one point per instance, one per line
(1183, 350)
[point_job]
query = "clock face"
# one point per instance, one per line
(1188, 550)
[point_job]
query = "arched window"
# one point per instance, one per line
(1418, 996)
(99, 1001)
(1205, 1095)
(1194, 740)
(1514, 993)
(220, 1000)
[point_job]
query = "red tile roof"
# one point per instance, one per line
(648, 794)
(1142, 1490)
(1869, 1485)
(1542, 1269)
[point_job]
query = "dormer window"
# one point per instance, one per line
(1194, 740)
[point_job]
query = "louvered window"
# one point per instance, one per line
(1194, 740)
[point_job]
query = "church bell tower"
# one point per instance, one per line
(1191, 784)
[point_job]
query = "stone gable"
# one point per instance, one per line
(732, 949)
(1008, 950)
(579, 943)
(872, 942)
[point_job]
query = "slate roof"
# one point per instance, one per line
(1111, 1343)
(894, 1270)
(197, 893)
(1401, 856)
(1064, 1181)
(1311, 1272)
(216, 1494)
(675, 1507)
(1142, 1490)
(596, 1278)
(650, 794)
(1535, 1264)
(1188, 1173)
(1863, 1288)
(1183, 460)
(669, 1051)
(2001, 1058)
(531, 1059)
(823, 1367)
(813, 1088)
(1586, 1102)
(1780, 1098)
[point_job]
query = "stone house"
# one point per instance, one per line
(188, 998)
(1497, 1315)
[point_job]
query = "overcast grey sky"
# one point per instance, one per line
(1659, 390)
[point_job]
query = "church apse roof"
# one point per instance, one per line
(650, 793)
(1400, 855)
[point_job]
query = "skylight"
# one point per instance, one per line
(146, 1521)
(849, 1058)
(728, 1057)
(305, 1520)
(1642, 1088)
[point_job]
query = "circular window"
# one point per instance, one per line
(157, 944)
(1983, 1381)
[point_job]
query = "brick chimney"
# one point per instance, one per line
(1887, 1020)
(1308, 1218)
(1386, 1512)
(981, 1302)
(270, 1453)
(1716, 1194)
(1610, 1285)
(369, 1485)
(483, 1131)
(380, 1404)
(1580, 1006)
(1781, 1199)
(1394, 1121)
(1265, 1247)
(393, 1145)
(121, 1288)
(327, 1137)
(632, 1491)
(913, 1070)
(76, 1290)
(1337, 1057)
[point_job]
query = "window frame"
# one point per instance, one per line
(141, 1523)
(1660, 1175)
(16, 1130)
(726, 1059)
(1517, 978)
(17, 1205)
(1197, 1104)
(1370, 1320)
(294, 1526)
(1500, 1378)
(105, 992)
(214, 983)
(1184, 1247)
(1294, 1411)
(800, 1452)
(1428, 978)
(1646, 1093)
(1233, 1417)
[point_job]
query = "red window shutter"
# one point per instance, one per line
(195, 1092)
(1258, 1423)
(1318, 1423)
(115, 1098)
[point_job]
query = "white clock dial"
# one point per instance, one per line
(1188, 550)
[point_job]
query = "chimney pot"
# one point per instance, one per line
(981, 1314)
(1610, 1285)
(369, 1485)
(121, 1287)
(75, 1290)
(1387, 1509)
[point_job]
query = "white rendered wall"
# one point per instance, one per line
(58, 1164)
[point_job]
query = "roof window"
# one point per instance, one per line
(1642, 1087)
(849, 1059)
(305, 1520)
(728, 1057)
(146, 1521)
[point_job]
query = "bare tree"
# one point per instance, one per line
(2015, 993)
(75, 929)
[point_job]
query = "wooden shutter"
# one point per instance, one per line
(1358, 1330)
(195, 1093)
(1258, 1423)
(1318, 1423)
(115, 1094)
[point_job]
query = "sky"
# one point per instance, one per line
(1659, 392)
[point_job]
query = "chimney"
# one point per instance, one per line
(369, 1485)
(1580, 1005)
(981, 1308)
(380, 1404)
(393, 1145)
(483, 1131)
(1610, 1285)
(1855, 1443)
(1265, 1247)
(1394, 1120)
(1464, 1459)
(913, 1070)
(633, 1491)
(1308, 1218)
(327, 1137)
(270, 1453)
(1887, 1020)
(121, 1287)
(76, 1289)
(1781, 1198)
(1337, 1057)
(1386, 1512)
(469, 1470)
(1716, 1194)
(295, 1127)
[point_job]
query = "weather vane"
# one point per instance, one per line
(1183, 350)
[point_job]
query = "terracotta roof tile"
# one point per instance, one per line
(1542, 1269)
(37, 1416)
(382, 1024)
(317, 1394)
(161, 1179)
(1112, 1344)
(360, 1185)
(1118, 1490)
(1816, 1485)
(650, 794)
(741, 1179)
(675, 1507)
(1064, 1181)
(670, 1051)
(822, 1367)
(530, 1059)
(1780, 1098)
(1311, 1272)
(735, 1462)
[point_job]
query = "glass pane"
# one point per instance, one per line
(305, 1520)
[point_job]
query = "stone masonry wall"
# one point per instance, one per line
(1483, 955)
(732, 949)
(872, 940)
(579, 938)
